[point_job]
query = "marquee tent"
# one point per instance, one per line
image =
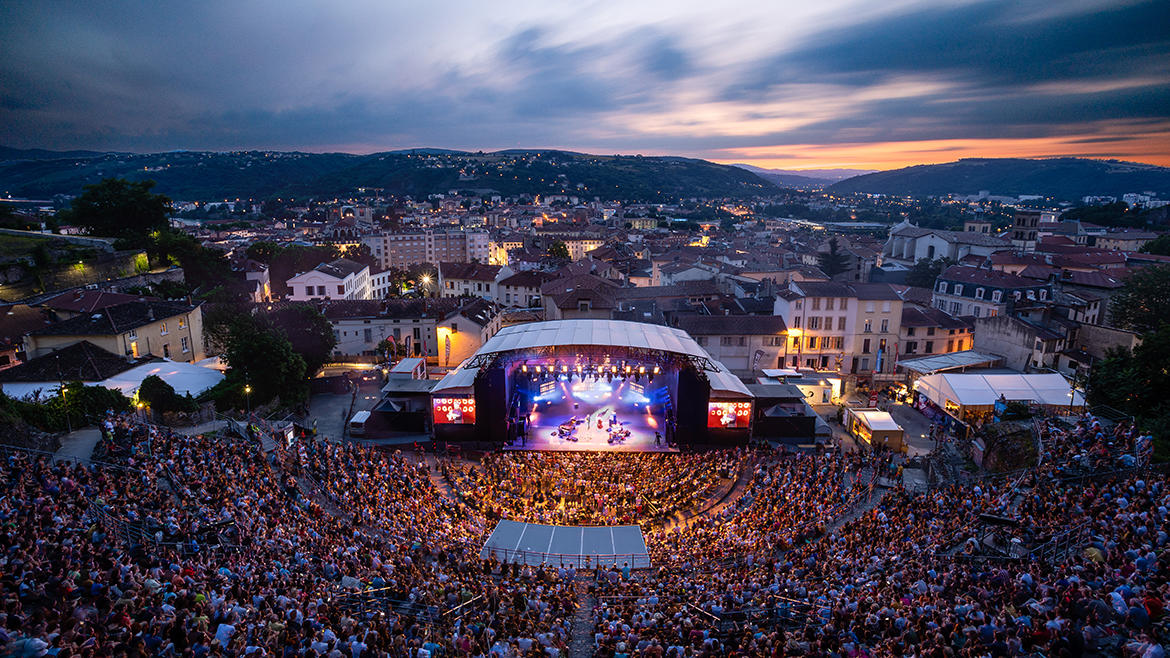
(960, 393)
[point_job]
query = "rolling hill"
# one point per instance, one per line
(196, 175)
(1064, 179)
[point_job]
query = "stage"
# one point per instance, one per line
(577, 546)
(596, 416)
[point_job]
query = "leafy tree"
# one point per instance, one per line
(1159, 245)
(259, 355)
(120, 208)
(1136, 383)
(295, 260)
(161, 396)
(1142, 305)
(263, 251)
(308, 331)
(834, 261)
(559, 249)
(363, 254)
(926, 271)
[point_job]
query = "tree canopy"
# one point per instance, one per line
(833, 261)
(925, 272)
(1159, 245)
(1142, 305)
(1136, 383)
(309, 333)
(119, 208)
(559, 249)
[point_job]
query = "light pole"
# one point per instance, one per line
(248, 398)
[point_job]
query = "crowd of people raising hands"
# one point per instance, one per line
(237, 552)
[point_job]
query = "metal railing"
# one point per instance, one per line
(381, 600)
(577, 560)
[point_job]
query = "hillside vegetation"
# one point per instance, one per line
(189, 175)
(1066, 179)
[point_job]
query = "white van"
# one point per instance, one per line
(357, 424)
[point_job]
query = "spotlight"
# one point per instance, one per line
(657, 370)
(524, 368)
(641, 370)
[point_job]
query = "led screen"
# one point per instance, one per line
(458, 411)
(729, 414)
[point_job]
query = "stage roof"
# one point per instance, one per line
(606, 333)
(601, 333)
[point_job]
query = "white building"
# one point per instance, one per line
(341, 279)
(909, 244)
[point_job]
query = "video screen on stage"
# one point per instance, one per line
(729, 414)
(457, 411)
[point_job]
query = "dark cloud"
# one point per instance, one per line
(220, 74)
(987, 44)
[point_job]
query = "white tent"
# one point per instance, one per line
(974, 390)
(183, 377)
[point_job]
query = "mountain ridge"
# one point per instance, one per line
(1065, 179)
(210, 175)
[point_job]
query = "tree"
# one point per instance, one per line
(1159, 245)
(309, 333)
(1142, 305)
(161, 396)
(1136, 383)
(263, 251)
(833, 262)
(120, 208)
(259, 355)
(926, 271)
(559, 249)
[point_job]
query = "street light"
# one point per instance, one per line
(248, 397)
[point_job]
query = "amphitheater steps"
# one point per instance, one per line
(581, 642)
(438, 480)
(725, 494)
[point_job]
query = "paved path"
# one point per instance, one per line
(78, 445)
(581, 641)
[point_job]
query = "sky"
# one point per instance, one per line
(778, 84)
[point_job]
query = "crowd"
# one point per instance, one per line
(590, 488)
(206, 546)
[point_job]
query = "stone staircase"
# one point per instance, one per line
(581, 642)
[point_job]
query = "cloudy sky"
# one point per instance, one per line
(831, 83)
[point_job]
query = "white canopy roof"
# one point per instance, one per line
(970, 389)
(605, 333)
(609, 333)
(878, 420)
(183, 377)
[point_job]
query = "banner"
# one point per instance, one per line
(756, 359)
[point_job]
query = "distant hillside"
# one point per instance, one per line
(784, 178)
(1066, 179)
(7, 153)
(822, 176)
(195, 175)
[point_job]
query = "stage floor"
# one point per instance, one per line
(590, 406)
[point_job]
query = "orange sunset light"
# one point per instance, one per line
(1151, 145)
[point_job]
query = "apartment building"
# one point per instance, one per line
(982, 293)
(849, 327)
(171, 330)
(746, 344)
(341, 279)
(407, 248)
